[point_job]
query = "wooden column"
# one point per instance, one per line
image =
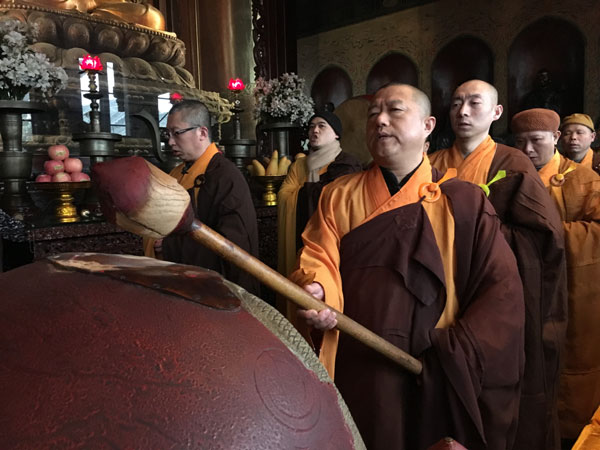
(274, 34)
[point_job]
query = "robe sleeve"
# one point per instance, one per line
(237, 223)
(319, 262)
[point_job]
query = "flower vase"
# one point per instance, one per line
(15, 162)
(279, 136)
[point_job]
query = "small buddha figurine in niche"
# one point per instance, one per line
(136, 12)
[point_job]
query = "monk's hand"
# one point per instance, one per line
(316, 290)
(323, 320)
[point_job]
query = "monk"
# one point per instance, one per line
(533, 229)
(577, 135)
(220, 196)
(299, 194)
(575, 190)
(419, 259)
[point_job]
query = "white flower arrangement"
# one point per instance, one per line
(282, 99)
(22, 69)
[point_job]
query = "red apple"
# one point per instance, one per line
(73, 165)
(43, 178)
(51, 167)
(80, 176)
(58, 152)
(61, 177)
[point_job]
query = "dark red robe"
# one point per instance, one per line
(534, 231)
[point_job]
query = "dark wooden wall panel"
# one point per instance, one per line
(394, 67)
(332, 85)
(558, 47)
(464, 58)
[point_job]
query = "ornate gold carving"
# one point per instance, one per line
(68, 29)
(127, 11)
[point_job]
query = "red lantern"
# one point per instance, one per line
(176, 97)
(92, 63)
(236, 84)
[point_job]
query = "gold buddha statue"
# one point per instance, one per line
(136, 12)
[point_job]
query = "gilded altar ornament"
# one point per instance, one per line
(136, 12)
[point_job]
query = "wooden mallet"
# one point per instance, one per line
(140, 198)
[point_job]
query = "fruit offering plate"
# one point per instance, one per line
(62, 193)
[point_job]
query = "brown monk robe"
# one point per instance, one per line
(427, 268)
(575, 191)
(533, 229)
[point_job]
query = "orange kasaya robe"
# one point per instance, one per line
(576, 193)
(370, 198)
(474, 168)
(187, 181)
(591, 160)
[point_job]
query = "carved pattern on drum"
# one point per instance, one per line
(285, 331)
(294, 402)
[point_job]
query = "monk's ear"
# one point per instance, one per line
(498, 109)
(203, 132)
(429, 124)
(555, 136)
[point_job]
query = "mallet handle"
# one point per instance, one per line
(231, 252)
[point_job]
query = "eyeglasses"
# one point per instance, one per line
(175, 134)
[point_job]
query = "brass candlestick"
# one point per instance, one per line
(270, 186)
(64, 209)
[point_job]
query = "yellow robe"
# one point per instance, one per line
(590, 436)
(286, 215)
(187, 181)
(578, 201)
(365, 196)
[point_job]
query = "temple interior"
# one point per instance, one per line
(156, 52)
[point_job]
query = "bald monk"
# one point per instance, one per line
(533, 229)
(420, 260)
(575, 190)
(577, 135)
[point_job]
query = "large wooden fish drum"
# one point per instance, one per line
(105, 351)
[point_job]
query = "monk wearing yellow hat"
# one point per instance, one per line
(576, 194)
(577, 135)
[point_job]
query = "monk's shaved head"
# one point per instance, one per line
(481, 86)
(418, 96)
